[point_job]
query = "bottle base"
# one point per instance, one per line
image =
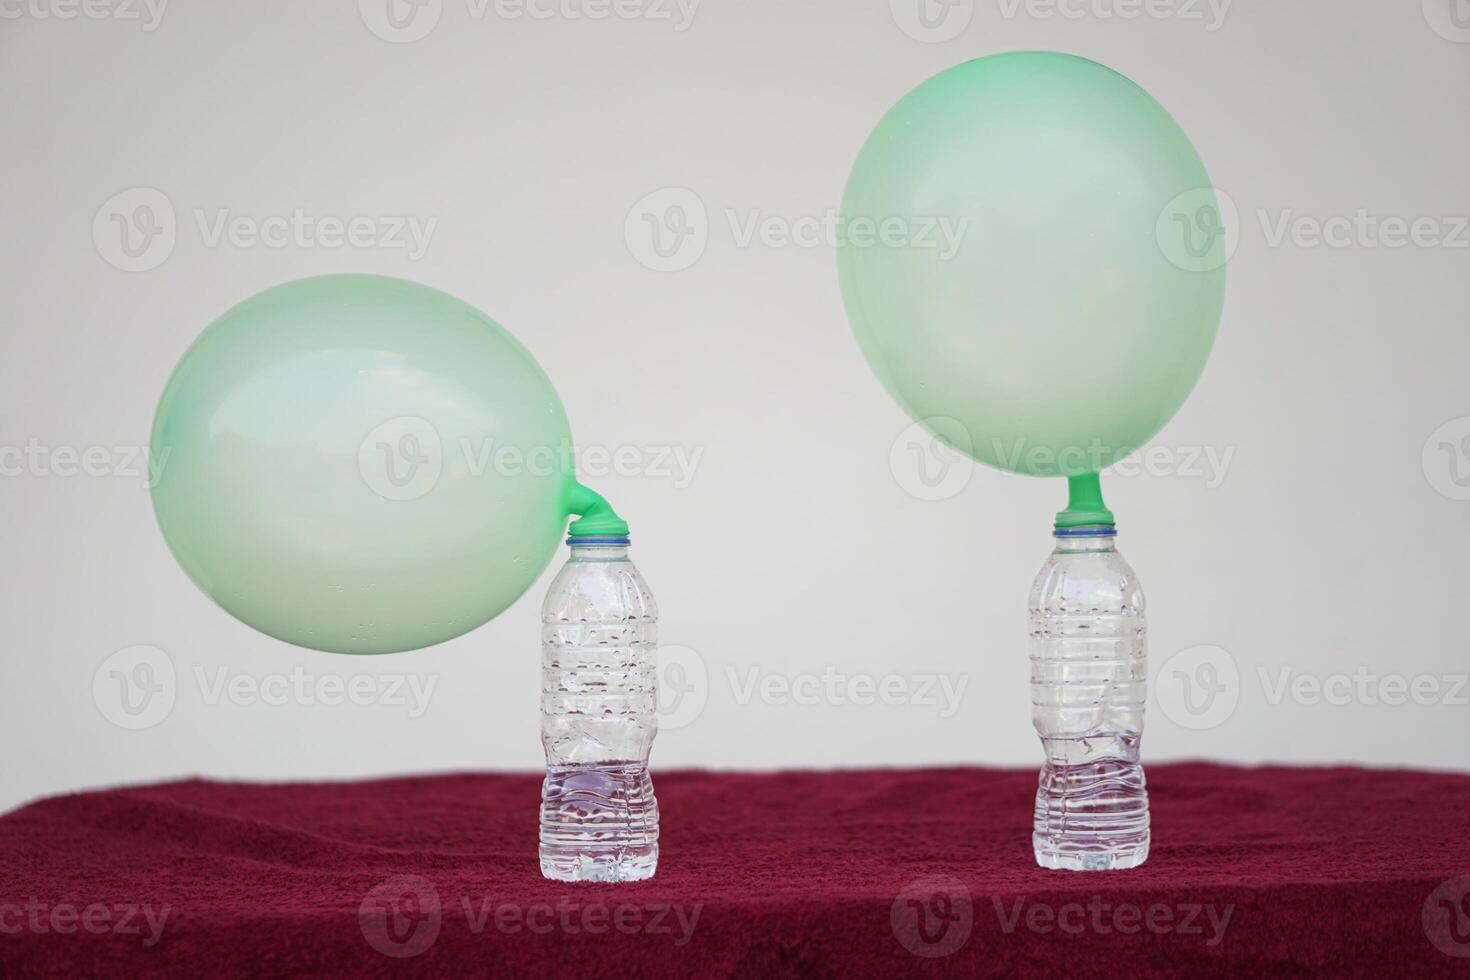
(599, 822)
(585, 864)
(1060, 856)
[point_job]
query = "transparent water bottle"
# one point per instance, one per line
(1089, 675)
(599, 647)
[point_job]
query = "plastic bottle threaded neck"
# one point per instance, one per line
(1085, 531)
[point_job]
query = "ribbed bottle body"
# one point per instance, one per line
(1089, 678)
(599, 703)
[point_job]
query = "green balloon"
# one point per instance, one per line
(1033, 261)
(361, 464)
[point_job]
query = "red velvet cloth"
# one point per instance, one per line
(1254, 872)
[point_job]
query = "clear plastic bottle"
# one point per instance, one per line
(1089, 675)
(599, 702)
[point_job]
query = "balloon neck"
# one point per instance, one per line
(1084, 503)
(596, 517)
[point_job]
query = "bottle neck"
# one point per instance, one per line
(1074, 540)
(598, 550)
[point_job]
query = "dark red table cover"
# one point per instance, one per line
(1254, 872)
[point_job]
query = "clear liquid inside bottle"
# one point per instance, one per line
(1089, 676)
(599, 643)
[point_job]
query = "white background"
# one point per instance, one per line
(1333, 542)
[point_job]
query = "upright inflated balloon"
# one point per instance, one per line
(1033, 261)
(361, 464)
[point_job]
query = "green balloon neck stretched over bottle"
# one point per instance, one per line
(1084, 503)
(598, 519)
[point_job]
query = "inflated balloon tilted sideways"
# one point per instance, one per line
(360, 464)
